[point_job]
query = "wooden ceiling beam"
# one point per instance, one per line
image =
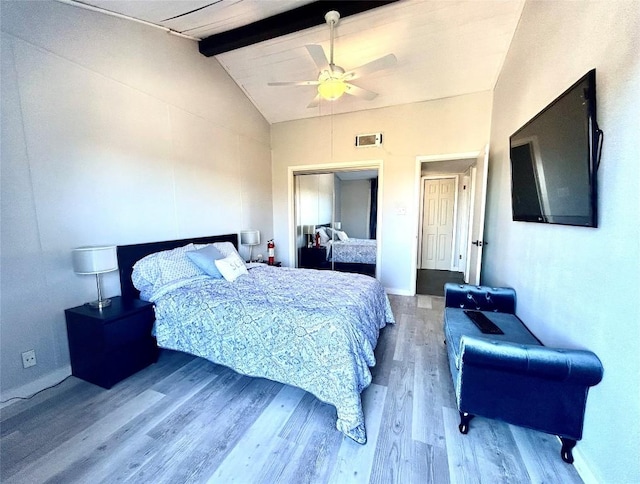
(300, 18)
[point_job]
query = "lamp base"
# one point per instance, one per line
(102, 303)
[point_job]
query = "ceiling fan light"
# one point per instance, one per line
(331, 89)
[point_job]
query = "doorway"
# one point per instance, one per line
(445, 207)
(439, 199)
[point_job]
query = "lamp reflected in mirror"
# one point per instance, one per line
(309, 231)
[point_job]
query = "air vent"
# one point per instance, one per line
(365, 140)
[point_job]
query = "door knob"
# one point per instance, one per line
(479, 243)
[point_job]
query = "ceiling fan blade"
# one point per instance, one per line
(319, 57)
(294, 83)
(359, 92)
(315, 102)
(385, 62)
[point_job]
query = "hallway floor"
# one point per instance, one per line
(431, 282)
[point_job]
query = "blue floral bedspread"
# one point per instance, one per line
(315, 330)
(363, 251)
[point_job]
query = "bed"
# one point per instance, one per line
(349, 254)
(362, 251)
(287, 325)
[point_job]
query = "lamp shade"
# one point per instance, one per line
(337, 225)
(308, 229)
(331, 89)
(95, 260)
(250, 237)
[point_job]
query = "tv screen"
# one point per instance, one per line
(554, 160)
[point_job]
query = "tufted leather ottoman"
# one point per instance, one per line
(512, 377)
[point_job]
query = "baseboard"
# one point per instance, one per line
(581, 466)
(41, 383)
(580, 463)
(399, 292)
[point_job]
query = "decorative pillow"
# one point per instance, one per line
(231, 267)
(205, 259)
(324, 238)
(342, 235)
(226, 248)
(162, 268)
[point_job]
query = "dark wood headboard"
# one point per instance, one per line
(128, 255)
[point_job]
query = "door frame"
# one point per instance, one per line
(455, 215)
(292, 171)
(418, 200)
(476, 229)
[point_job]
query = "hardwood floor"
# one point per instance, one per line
(185, 419)
(431, 282)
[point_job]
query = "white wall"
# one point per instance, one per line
(337, 198)
(315, 199)
(112, 132)
(454, 125)
(356, 200)
(579, 287)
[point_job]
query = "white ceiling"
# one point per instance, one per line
(357, 175)
(444, 48)
(447, 166)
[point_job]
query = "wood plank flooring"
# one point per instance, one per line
(185, 419)
(431, 281)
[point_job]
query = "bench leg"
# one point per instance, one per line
(567, 447)
(465, 418)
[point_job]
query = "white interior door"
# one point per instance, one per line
(437, 223)
(478, 204)
(462, 232)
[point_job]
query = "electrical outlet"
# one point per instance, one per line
(29, 358)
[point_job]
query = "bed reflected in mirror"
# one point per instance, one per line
(336, 220)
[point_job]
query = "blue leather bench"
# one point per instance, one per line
(512, 377)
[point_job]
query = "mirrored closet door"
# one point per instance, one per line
(336, 217)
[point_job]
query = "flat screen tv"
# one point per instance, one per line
(554, 160)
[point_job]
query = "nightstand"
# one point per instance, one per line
(108, 345)
(313, 258)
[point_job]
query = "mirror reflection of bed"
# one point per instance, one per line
(347, 253)
(336, 221)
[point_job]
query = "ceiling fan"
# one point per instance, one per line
(333, 81)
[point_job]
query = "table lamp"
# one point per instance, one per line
(96, 260)
(309, 230)
(250, 238)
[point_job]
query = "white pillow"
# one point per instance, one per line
(226, 248)
(324, 238)
(341, 235)
(163, 268)
(231, 267)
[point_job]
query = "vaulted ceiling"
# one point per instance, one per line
(443, 48)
